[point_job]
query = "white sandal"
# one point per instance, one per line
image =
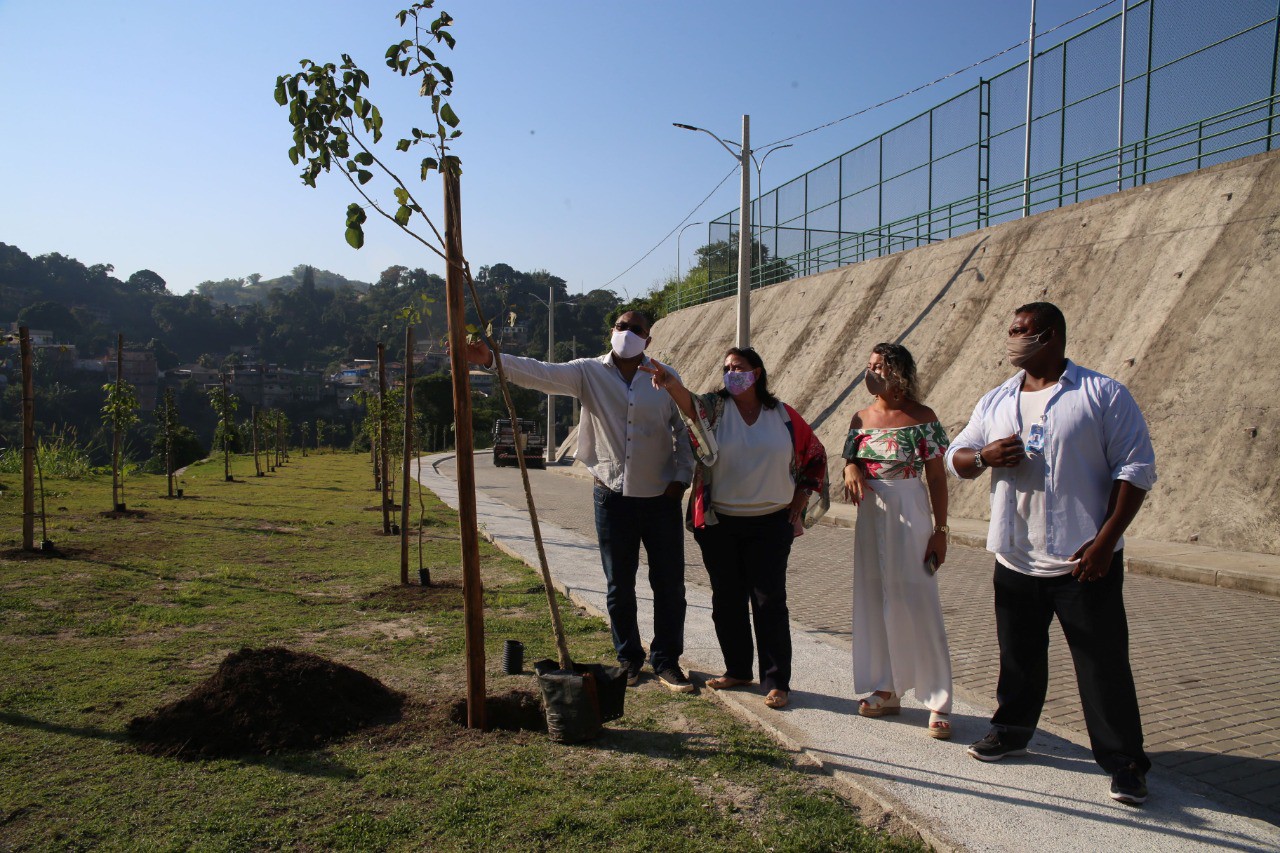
(939, 725)
(876, 705)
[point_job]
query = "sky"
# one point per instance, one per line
(144, 133)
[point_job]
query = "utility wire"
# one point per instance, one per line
(687, 217)
(921, 88)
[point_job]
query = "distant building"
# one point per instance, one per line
(138, 368)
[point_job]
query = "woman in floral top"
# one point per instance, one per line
(894, 447)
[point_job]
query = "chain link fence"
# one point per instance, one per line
(1199, 88)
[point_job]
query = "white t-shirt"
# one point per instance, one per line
(753, 471)
(1028, 554)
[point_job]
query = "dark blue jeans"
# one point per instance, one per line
(622, 525)
(1097, 631)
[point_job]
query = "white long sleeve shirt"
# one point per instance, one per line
(1094, 434)
(631, 436)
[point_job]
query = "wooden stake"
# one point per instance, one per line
(468, 532)
(407, 456)
(116, 439)
(383, 466)
(28, 443)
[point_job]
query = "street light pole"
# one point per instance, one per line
(678, 236)
(743, 156)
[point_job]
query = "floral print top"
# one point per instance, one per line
(896, 453)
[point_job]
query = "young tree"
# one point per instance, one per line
(304, 429)
(224, 404)
(119, 412)
(167, 426)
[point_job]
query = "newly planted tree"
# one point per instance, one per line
(224, 405)
(119, 412)
(167, 426)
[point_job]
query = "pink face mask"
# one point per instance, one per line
(738, 382)
(1022, 349)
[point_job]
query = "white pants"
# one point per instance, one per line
(899, 639)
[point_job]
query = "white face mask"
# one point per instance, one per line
(628, 344)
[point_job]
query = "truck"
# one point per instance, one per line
(506, 441)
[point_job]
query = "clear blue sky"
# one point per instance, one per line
(143, 133)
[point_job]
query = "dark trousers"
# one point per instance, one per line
(622, 525)
(1093, 620)
(746, 559)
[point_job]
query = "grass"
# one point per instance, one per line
(140, 609)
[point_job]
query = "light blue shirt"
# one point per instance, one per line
(1094, 435)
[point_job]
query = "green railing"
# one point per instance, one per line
(1199, 87)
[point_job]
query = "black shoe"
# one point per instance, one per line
(633, 671)
(1129, 785)
(674, 680)
(991, 748)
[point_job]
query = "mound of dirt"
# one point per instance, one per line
(262, 701)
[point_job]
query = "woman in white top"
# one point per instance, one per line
(769, 474)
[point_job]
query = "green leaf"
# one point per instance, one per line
(402, 215)
(355, 236)
(281, 97)
(403, 145)
(402, 195)
(364, 176)
(448, 116)
(472, 328)
(364, 158)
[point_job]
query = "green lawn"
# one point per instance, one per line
(139, 610)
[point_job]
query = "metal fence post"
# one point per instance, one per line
(1275, 54)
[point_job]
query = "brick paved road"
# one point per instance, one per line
(1206, 660)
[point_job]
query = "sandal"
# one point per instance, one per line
(777, 699)
(876, 705)
(724, 682)
(939, 725)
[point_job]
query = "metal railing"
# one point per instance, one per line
(1199, 88)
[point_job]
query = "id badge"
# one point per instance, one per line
(1035, 439)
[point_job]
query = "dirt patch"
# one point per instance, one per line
(20, 554)
(123, 513)
(515, 711)
(442, 595)
(262, 701)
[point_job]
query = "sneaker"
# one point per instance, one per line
(633, 671)
(674, 680)
(991, 748)
(1129, 785)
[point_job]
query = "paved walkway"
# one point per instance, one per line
(1207, 663)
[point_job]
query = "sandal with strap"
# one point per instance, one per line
(939, 725)
(777, 699)
(876, 705)
(724, 682)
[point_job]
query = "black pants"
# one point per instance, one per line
(746, 559)
(1093, 620)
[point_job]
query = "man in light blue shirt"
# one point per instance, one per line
(634, 442)
(1071, 462)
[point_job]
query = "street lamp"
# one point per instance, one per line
(678, 236)
(742, 155)
(760, 194)
(551, 356)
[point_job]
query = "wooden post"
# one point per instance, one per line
(383, 466)
(257, 463)
(116, 438)
(407, 456)
(28, 443)
(472, 591)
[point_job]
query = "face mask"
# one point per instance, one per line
(737, 383)
(628, 344)
(876, 384)
(1022, 349)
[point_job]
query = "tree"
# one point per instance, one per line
(224, 404)
(147, 282)
(119, 412)
(167, 425)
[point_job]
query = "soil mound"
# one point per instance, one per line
(262, 701)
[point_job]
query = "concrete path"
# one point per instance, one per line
(1056, 799)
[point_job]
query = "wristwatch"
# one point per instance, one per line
(942, 528)
(978, 464)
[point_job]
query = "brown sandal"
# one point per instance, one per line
(724, 682)
(939, 725)
(777, 699)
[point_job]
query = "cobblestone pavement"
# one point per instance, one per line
(1206, 660)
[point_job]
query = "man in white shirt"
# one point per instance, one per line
(1071, 462)
(632, 440)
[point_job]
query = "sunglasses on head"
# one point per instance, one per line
(631, 327)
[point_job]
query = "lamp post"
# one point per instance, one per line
(760, 193)
(551, 356)
(678, 236)
(743, 156)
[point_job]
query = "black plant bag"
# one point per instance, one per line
(579, 702)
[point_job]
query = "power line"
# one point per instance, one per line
(921, 88)
(667, 237)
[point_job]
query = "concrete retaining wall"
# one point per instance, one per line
(1172, 288)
